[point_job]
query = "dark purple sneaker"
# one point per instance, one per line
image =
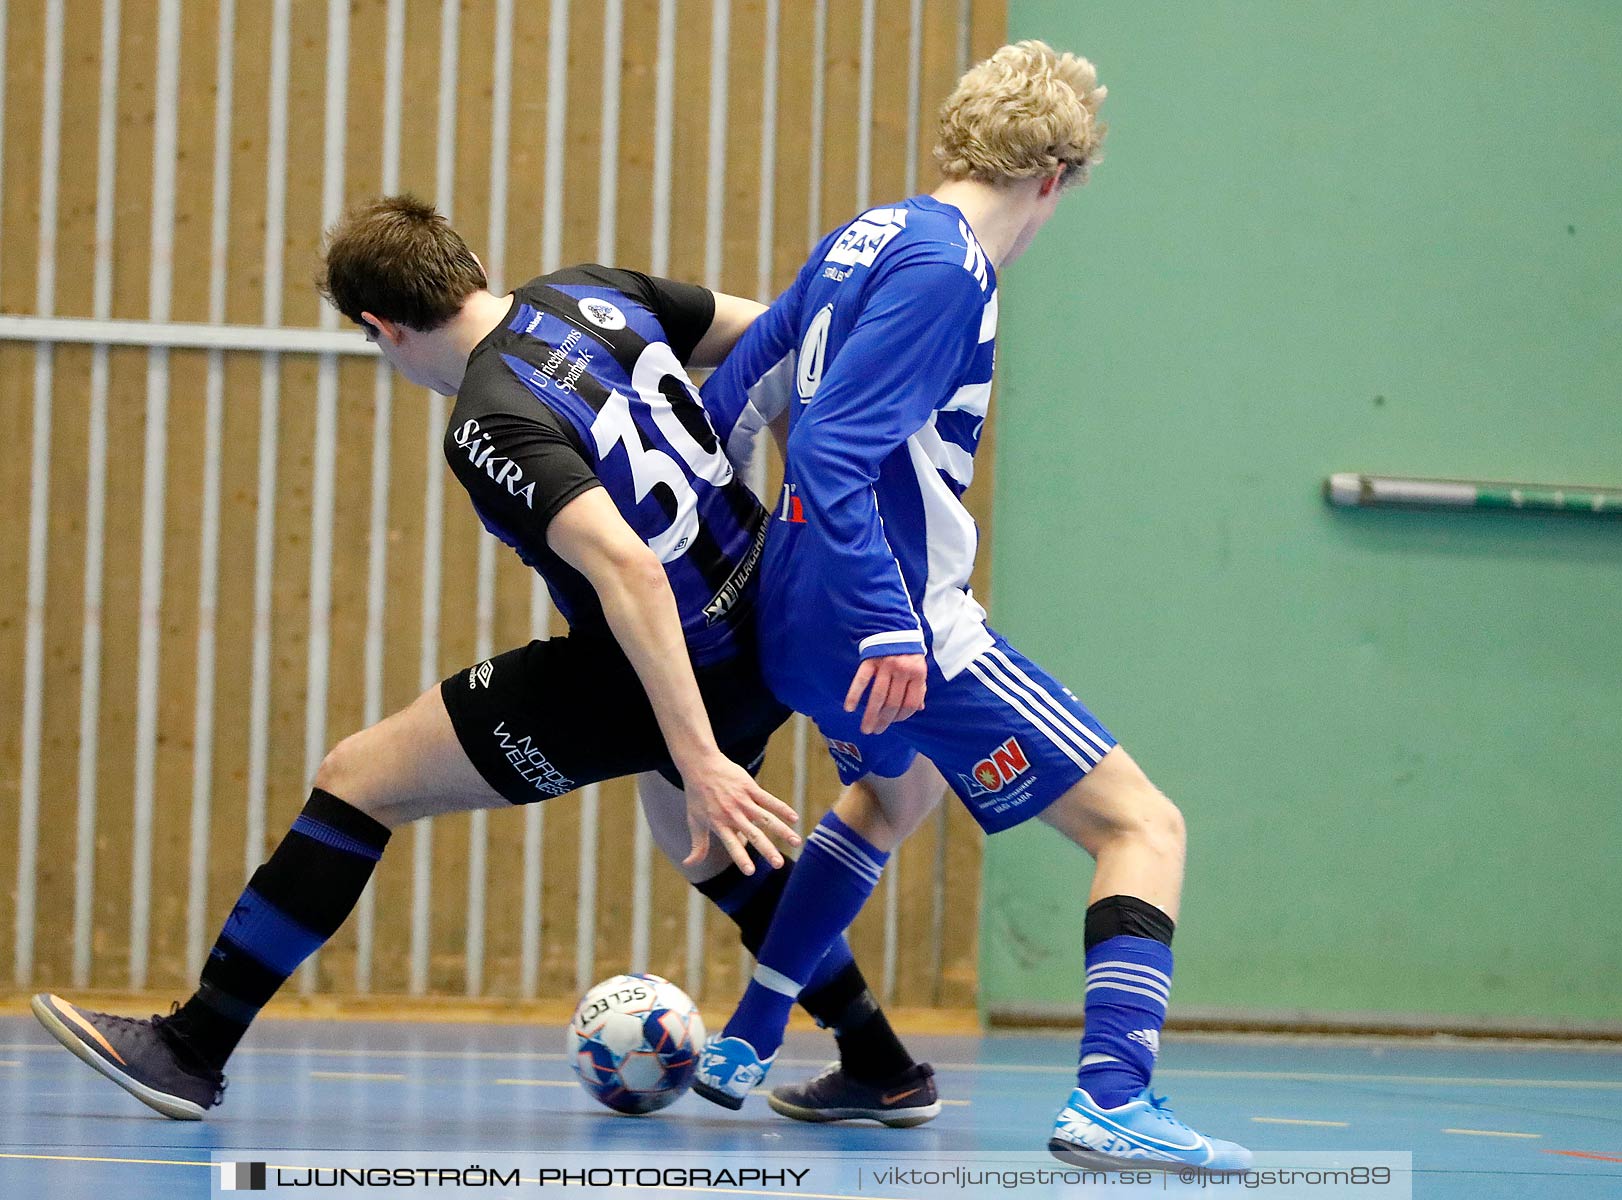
(908, 1099)
(145, 1058)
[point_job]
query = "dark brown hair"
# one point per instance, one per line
(398, 258)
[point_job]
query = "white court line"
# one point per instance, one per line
(383, 1076)
(562, 1083)
(79, 1158)
(1492, 1133)
(1300, 1121)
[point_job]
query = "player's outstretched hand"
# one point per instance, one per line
(724, 798)
(897, 691)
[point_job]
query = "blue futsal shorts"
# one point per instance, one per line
(1009, 738)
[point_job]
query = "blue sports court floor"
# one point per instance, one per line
(1481, 1121)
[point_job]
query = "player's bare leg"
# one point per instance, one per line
(1134, 833)
(407, 766)
(886, 811)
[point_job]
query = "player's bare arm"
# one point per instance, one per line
(591, 536)
(733, 315)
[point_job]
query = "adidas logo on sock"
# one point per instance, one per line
(1146, 1037)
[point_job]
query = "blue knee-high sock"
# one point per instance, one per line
(833, 878)
(1128, 986)
(752, 900)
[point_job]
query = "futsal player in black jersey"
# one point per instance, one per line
(582, 445)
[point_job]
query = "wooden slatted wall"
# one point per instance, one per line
(180, 608)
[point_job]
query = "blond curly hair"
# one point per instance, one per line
(1024, 113)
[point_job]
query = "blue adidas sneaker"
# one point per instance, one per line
(727, 1069)
(1143, 1132)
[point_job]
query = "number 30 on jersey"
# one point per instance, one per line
(616, 425)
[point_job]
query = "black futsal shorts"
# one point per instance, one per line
(553, 716)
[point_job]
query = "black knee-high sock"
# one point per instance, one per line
(292, 905)
(869, 1049)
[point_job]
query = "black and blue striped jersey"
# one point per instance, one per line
(583, 385)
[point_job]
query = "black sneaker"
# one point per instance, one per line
(145, 1058)
(907, 1099)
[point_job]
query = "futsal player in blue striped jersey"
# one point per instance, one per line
(881, 355)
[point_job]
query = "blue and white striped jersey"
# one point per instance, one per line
(882, 353)
(581, 386)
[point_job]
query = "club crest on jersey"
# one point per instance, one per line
(601, 313)
(996, 771)
(846, 752)
(481, 452)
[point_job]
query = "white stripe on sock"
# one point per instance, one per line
(776, 981)
(860, 852)
(1145, 976)
(1121, 987)
(851, 862)
(1124, 977)
(1131, 966)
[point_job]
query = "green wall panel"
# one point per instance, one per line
(1382, 237)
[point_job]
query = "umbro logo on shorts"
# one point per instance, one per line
(479, 676)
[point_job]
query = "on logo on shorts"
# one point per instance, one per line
(997, 770)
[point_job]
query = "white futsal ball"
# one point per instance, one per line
(634, 1041)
